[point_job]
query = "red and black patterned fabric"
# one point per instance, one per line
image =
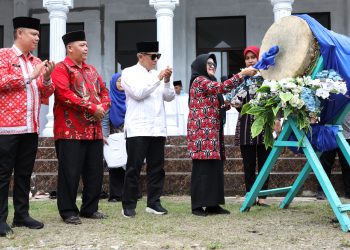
(77, 94)
(203, 126)
(20, 99)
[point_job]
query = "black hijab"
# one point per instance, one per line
(199, 67)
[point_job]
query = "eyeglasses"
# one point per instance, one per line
(211, 65)
(153, 56)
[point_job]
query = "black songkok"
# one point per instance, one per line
(177, 83)
(26, 22)
(147, 47)
(73, 37)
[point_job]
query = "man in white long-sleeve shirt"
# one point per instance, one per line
(146, 90)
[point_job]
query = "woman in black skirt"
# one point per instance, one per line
(205, 134)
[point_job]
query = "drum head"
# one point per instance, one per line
(297, 48)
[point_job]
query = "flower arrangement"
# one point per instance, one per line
(299, 97)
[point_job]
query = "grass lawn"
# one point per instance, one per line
(305, 225)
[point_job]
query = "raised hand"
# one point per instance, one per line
(46, 66)
(250, 71)
(49, 67)
(168, 73)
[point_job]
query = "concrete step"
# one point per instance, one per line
(232, 165)
(179, 183)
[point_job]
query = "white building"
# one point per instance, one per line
(184, 28)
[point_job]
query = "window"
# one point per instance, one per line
(44, 43)
(1, 36)
(323, 18)
(127, 34)
(216, 35)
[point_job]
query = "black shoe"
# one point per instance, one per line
(156, 209)
(27, 222)
(96, 215)
(75, 220)
(128, 212)
(320, 195)
(5, 229)
(199, 212)
(103, 195)
(53, 195)
(216, 210)
(114, 199)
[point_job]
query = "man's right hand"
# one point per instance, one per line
(99, 113)
(38, 69)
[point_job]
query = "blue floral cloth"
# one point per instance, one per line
(268, 58)
(335, 50)
(322, 138)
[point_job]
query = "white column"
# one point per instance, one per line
(282, 8)
(58, 10)
(20, 8)
(165, 14)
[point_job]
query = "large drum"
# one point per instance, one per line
(298, 48)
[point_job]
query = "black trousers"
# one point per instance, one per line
(327, 160)
(139, 148)
(250, 155)
(79, 158)
(17, 153)
(116, 182)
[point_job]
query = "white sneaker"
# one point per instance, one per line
(157, 209)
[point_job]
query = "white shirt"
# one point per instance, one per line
(145, 96)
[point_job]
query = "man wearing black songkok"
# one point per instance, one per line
(146, 90)
(25, 83)
(81, 100)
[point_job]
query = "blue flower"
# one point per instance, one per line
(311, 101)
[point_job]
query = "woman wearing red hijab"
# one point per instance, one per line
(252, 149)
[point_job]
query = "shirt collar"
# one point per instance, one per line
(19, 53)
(143, 68)
(72, 64)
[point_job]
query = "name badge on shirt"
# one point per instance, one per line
(16, 65)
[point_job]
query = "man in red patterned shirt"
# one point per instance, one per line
(81, 100)
(24, 83)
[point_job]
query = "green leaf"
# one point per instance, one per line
(268, 137)
(246, 107)
(287, 111)
(263, 89)
(286, 96)
(275, 110)
(258, 126)
(271, 101)
(256, 110)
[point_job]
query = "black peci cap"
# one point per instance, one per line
(177, 83)
(73, 37)
(26, 22)
(147, 47)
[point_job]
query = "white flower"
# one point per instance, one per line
(339, 87)
(242, 94)
(300, 104)
(294, 101)
(316, 83)
(323, 93)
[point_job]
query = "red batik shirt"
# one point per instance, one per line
(20, 98)
(77, 94)
(204, 140)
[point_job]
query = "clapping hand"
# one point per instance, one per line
(165, 74)
(47, 66)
